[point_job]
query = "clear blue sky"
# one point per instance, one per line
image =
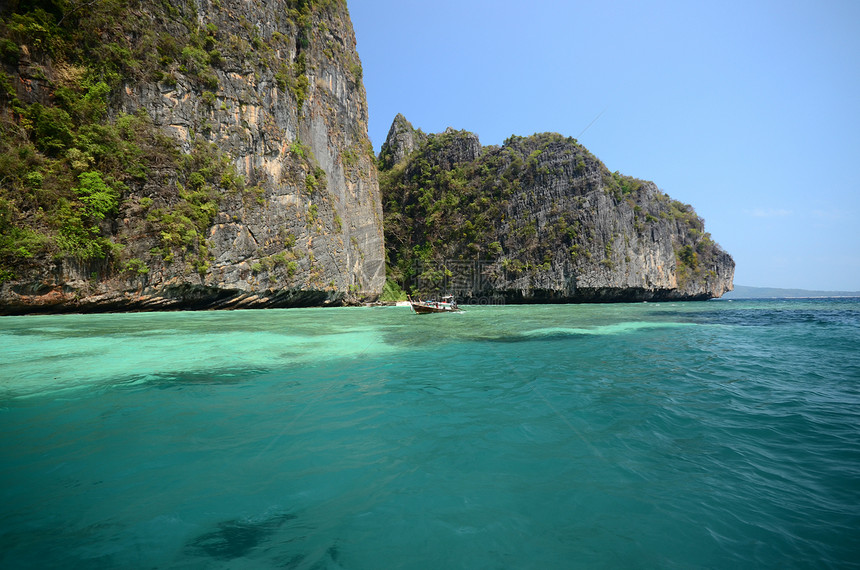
(749, 111)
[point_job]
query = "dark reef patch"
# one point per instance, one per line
(237, 538)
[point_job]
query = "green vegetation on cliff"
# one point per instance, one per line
(434, 213)
(67, 163)
(71, 165)
(542, 215)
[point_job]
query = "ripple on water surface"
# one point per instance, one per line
(716, 435)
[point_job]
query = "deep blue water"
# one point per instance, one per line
(723, 434)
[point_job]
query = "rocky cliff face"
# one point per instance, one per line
(196, 154)
(539, 219)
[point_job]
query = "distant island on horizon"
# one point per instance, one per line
(744, 292)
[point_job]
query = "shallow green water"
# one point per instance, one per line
(714, 435)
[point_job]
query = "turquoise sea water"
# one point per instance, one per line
(674, 435)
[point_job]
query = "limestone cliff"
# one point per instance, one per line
(194, 154)
(539, 219)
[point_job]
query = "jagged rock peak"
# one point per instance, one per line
(449, 148)
(401, 141)
(460, 147)
(541, 219)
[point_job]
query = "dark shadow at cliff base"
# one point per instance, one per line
(60, 300)
(583, 295)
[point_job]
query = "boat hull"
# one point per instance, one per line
(426, 309)
(447, 305)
